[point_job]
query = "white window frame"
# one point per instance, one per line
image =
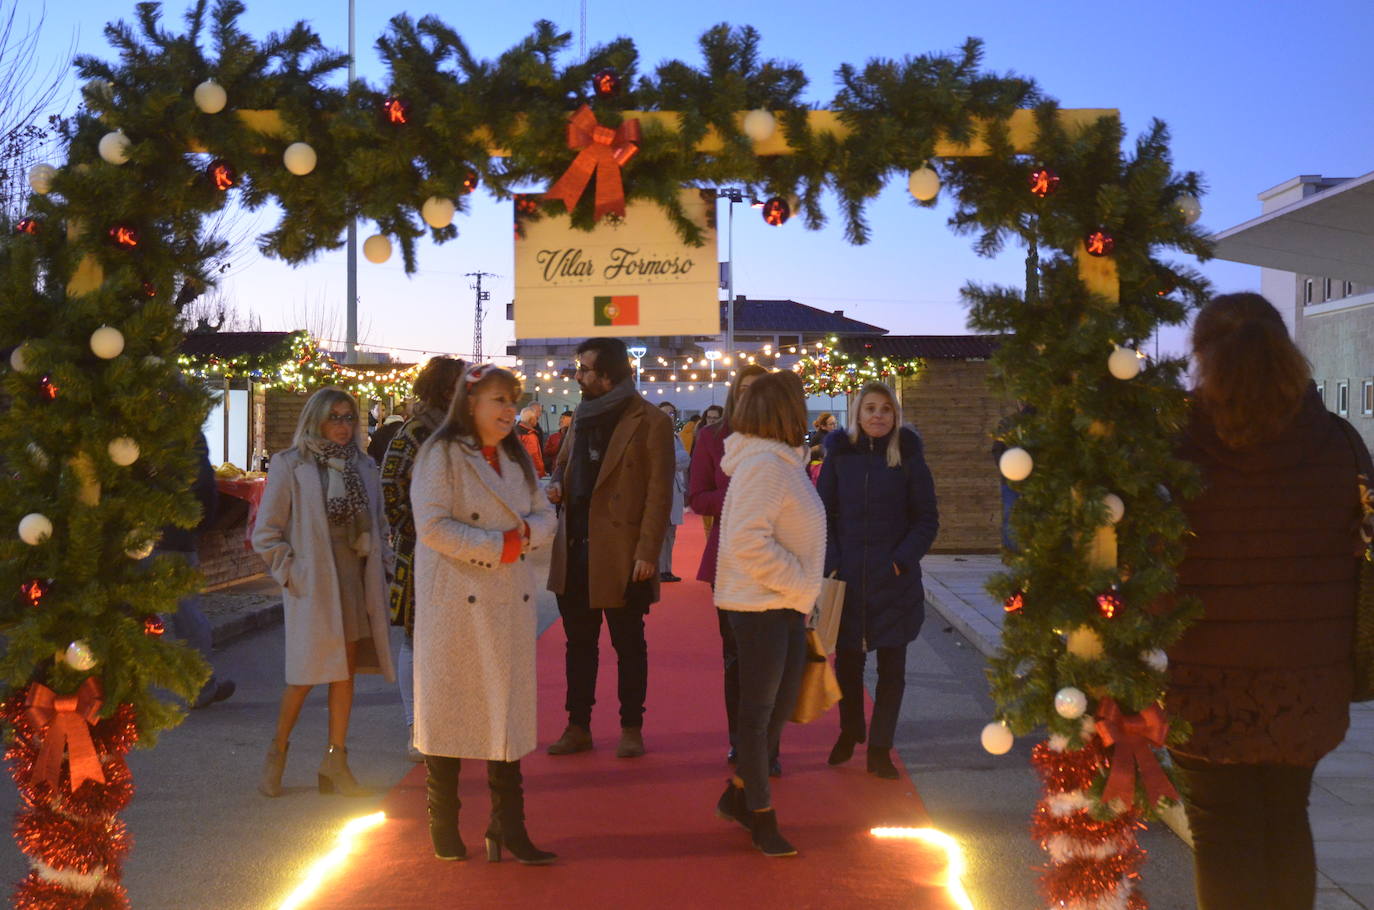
(1308, 289)
(1367, 398)
(1350, 289)
(1321, 392)
(1343, 398)
(1326, 288)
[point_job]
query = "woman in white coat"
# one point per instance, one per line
(772, 551)
(479, 510)
(322, 530)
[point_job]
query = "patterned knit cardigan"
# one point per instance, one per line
(397, 466)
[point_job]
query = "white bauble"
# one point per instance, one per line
(1015, 464)
(1157, 659)
(997, 739)
(152, 361)
(123, 451)
(1124, 363)
(211, 97)
(299, 158)
(138, 549)
(377, 248)
(1189, 207)
(438, 211)
(114, 147)
(34, 528)
(79, 656)
(1070, 702)
(41, 177)
(760, 125)
(1115, 507)
(19, 358)
(924, 184)
(107, 342)
(39, 457)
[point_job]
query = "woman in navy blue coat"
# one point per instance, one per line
(881, 519)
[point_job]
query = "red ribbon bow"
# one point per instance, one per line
(63, 720)
(1133, 736)
(604, 152)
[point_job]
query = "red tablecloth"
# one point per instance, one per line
(249, 489)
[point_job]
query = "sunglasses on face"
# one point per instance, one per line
(342, 418)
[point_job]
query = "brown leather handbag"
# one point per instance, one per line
(820, 690)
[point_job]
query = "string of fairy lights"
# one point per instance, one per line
(300, 365)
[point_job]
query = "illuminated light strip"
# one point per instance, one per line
(328, 864)
(955, 866)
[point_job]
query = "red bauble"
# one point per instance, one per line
(34, 590)
(1043, 182)
(1109, 603)
(471, 182)
(606, 84)
(222, 175)
(26, 226)
(149, 289)
(396, 111)
(153, 625)
(1099, 243)
(47, 389)
(776, 211)
(1015, 603)
(526, 204)
(123, 236)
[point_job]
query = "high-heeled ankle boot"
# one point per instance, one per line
(270, 784)
(880, 763)
(441, 798)
(843, 750)
(767, 837)
(507, 827)
(334, 776)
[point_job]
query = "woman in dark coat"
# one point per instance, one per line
(881, 520)
(1265, 676)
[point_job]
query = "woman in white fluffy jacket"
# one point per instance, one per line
(772, 551)
(478, 510)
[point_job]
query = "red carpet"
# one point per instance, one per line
(642, 832)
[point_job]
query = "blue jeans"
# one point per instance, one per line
(772, 656)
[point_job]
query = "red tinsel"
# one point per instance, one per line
(76, 832)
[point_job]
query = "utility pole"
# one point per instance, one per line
(351, 355)
(477, 313)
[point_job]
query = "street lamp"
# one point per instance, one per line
(734, 194)
(714, 357)
(638, 352)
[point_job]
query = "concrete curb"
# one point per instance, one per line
(984, 636)
(240, 624)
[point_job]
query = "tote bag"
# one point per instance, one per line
(819, 689)
(826, 617)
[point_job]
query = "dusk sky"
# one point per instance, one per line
(1254, 93)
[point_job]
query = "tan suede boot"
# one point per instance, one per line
(270, 784)
(334, 776)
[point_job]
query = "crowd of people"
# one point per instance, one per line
(438, 541)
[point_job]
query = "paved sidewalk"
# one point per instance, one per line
(1342, 803)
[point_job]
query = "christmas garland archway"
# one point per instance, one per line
(99, 426)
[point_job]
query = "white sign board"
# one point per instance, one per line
(633, 277)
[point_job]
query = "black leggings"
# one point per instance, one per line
(887, 697)
(1252, 845)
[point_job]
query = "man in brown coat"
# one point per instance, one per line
(614, 476)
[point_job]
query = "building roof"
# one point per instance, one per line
(233, 344)
(1329, 233)
(931, 347)
(788, 316)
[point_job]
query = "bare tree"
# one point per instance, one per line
(321, 316)
(27, 95)
(214, 311)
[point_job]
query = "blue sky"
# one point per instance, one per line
(1254, 93)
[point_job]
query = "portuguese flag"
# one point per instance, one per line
(615, 310)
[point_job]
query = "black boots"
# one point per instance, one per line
(731, 806)
(507, 827)
(844, 749)
(766, 836)
(441, 794)
(880, 763)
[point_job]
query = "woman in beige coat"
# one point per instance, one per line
(322, 530)
(478, 510)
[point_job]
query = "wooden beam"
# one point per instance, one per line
(1020, 126)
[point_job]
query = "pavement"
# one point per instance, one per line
(1342, 801)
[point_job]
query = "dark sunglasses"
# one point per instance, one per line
(342, 418)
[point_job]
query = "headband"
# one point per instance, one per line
(478, 373)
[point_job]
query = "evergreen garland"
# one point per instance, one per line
(1090, 434)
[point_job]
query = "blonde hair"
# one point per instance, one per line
(317, 408)
(894, 442)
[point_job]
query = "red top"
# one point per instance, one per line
(514, 540)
